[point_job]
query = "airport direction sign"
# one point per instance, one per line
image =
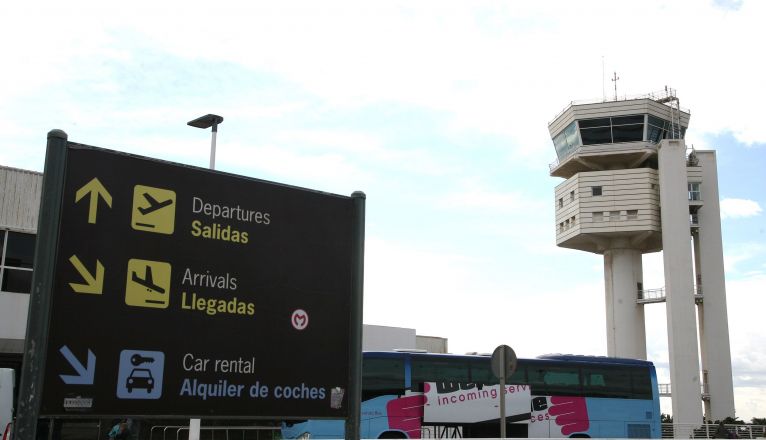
(179, 291)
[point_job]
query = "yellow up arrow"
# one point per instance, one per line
(95, 189)
(92, 284)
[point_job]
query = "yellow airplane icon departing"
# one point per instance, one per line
(153, 209)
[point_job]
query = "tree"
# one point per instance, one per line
(666, 418)
(758, 421)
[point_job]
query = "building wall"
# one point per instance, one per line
(383, 338)
(432, 344)
(628, 204)
(20, 192)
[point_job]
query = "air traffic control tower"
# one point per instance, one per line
(633, 187)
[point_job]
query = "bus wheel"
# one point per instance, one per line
(392, 434)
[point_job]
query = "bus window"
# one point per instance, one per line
(607, 382)
(642, 383)
(481, 372)
(552, 380)
(438, 370)
(382, 376)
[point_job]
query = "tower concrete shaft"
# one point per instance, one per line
(679, 283)
(713, 314)
(625, 331)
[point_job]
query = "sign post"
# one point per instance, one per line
(503, 366)
(175, 291)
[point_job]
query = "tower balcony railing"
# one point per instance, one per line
(552, 166)
(662, 96)
(658, 295)
(665, 390)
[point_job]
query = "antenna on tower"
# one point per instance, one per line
(614, 79)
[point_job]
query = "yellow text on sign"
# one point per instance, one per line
(148, 284)
(154, 209)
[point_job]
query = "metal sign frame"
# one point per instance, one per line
(78, 367)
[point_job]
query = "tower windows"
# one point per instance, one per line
(598, 216)
(595, 190)
(659, 129)
(694, 191)
(16, 255)
(612, 130)
(566, 141)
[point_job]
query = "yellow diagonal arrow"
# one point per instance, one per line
(92, 284)
(95, 189)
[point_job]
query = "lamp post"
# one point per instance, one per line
(204, 122)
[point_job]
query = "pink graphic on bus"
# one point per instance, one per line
(405, 414)
(571, 414)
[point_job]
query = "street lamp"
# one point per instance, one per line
(205, 122)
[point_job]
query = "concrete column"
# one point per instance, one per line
(701, 329)
(679, 286)
(714, 336)
(625, 328)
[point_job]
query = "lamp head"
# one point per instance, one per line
(207, 121)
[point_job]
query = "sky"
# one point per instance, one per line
(438, 111)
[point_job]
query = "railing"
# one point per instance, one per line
(708, 430)
(441, 432)
(168, 430)
(658, 96)
(664, 390)
(651, 295)
(554, 164)
(658, 295)
(584, 148)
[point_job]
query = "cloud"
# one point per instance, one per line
(740, 253)
(474, 194)
(360, 145)
(739, 208)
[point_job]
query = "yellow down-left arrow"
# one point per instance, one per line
(95, 188)
(93, 284)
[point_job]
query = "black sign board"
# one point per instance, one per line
(179, 291)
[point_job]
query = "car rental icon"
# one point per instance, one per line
(140, 374)
(140, 378)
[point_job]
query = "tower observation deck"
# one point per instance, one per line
(632, 187)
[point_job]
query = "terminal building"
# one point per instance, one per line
(632, 186)
(19, 204)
